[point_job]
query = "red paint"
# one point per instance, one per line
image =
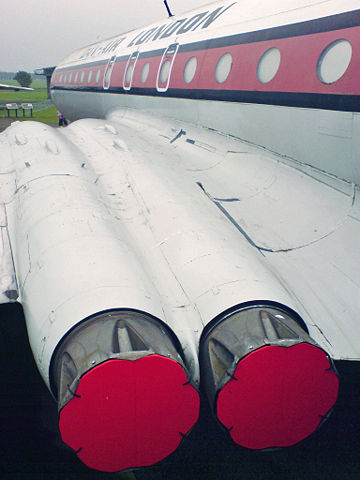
(279, 396)
(151, 80)
(296, 74)
(129, 413)
(297, 71)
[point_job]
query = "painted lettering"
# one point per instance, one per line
(158, 33)
(145, 37)
(133, 40)
(101, 50)
(179, 27)
(213, 16)
(172, 28)
(191, 22)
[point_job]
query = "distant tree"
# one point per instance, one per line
(23, 78)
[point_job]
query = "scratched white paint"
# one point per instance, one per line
(246, 16)
(72, 258)
(145, 211)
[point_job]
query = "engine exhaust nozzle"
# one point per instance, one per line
(125, 398)
(269, 384)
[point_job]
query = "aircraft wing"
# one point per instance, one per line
(15, 87)
(113, 224)
(303, 223)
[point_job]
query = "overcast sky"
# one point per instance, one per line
(39, 33)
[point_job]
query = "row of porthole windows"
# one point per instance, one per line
(331, 66)
(189, 71)
(79, 77)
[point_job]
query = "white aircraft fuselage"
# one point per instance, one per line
(290, 65)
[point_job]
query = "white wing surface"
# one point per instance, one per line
(4, 86)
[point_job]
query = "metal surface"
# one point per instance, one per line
(181, 199)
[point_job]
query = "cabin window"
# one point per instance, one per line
(108, 72)
(107, 78)
(164, 71)
(190, 69)
(223, 68)
(145, 72)
(129, 71)
(61, 78)
(89, 76)
(165, 67)
(65, 78)
(70, 77)
(97, 78)
(334, 61)
(268, 65)
(82, 77)
(76, 77)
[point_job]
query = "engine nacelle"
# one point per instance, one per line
(124, 394)
(267, 381)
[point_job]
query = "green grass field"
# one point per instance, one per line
(48, 116)
(38, 95)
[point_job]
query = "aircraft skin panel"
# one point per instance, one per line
(212, 160)
(265, 180)
(329, 135)
(241, 105)
(291, 232)
(327, 277)
(223, 17)
(8, 285)
(201, 212)
(53, 238)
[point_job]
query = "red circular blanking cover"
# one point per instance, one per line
(278, 396)
(129, 414)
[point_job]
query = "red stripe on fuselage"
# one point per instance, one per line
(297, 72)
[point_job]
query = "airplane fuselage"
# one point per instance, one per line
(272, 75)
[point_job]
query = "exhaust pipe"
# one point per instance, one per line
(269, 384)
(124, 395)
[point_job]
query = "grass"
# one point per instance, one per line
(38, 95)
(49, 115)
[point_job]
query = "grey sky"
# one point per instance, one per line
(39, 33)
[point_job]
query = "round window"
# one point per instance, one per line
(223, 68)
(145, 72)
(129, 72)
(334, 61)
(164, 71)
(190, 69)
(268, 65)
